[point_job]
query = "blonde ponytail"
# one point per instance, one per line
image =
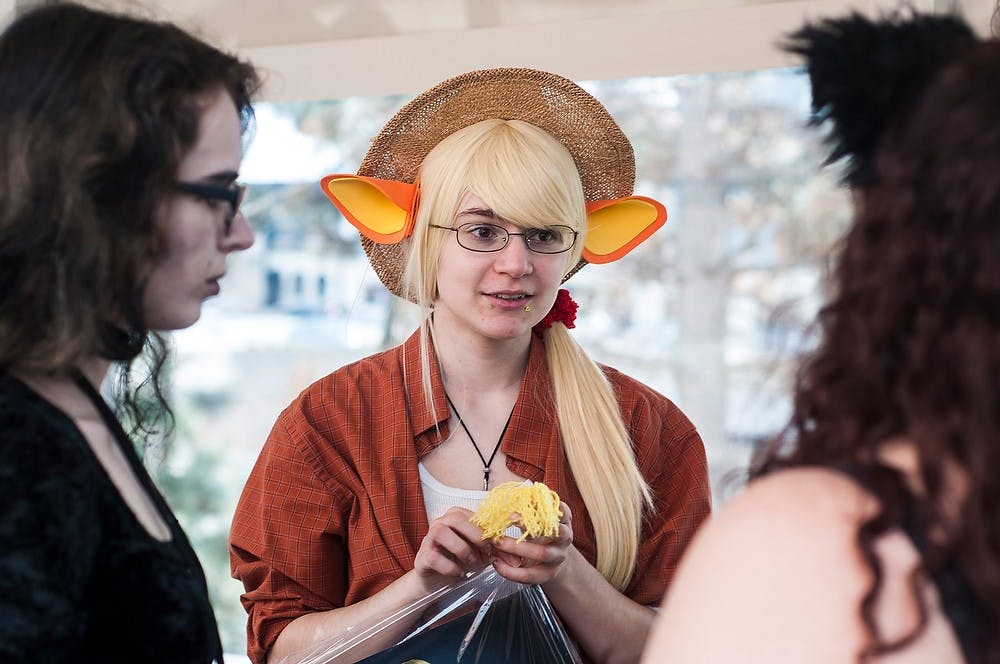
(600, 455)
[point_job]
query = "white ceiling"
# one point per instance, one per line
(315, 49)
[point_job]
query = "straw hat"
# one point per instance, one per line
(602, 153)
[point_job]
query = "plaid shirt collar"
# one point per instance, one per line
(431, 427)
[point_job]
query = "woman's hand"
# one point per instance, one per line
(452, 547)
(535, 560)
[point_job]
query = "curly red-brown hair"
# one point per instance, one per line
(910, 343)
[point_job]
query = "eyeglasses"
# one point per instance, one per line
(490, 237)
(233, 195)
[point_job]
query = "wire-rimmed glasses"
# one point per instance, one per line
(484, 237)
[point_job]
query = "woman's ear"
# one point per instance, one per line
(381, 210)
(618, 226)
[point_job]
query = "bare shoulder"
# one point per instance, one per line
(810, 498)
(793, 522)
(777, 571)
(777, 577)
(796, 510)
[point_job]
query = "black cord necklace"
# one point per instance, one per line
(486, 464)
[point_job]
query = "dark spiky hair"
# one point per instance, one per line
(865, 74)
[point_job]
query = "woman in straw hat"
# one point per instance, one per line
(476, 201)
(872, 534)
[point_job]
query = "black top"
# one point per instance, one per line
(81, 579)
(958, 603)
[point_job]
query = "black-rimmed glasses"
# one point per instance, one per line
(232, 194)
(483, 237)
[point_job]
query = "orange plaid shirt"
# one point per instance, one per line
(333, 510)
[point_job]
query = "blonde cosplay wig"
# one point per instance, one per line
(526, 175)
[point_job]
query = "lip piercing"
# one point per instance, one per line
(527, 308)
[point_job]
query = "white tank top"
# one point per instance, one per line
(439, 497)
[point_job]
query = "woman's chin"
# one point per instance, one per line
(507, 332)
(174, 320)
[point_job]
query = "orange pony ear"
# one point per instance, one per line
(618, 226)
(381, 210)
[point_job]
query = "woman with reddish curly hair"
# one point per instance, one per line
(869, 531)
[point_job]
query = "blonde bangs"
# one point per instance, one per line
(526, 176)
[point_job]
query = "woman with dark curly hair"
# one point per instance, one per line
(120, 141)
(869, 531)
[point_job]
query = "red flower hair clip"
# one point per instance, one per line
(563, 311)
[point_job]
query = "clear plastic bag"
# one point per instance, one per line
(482, 619)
